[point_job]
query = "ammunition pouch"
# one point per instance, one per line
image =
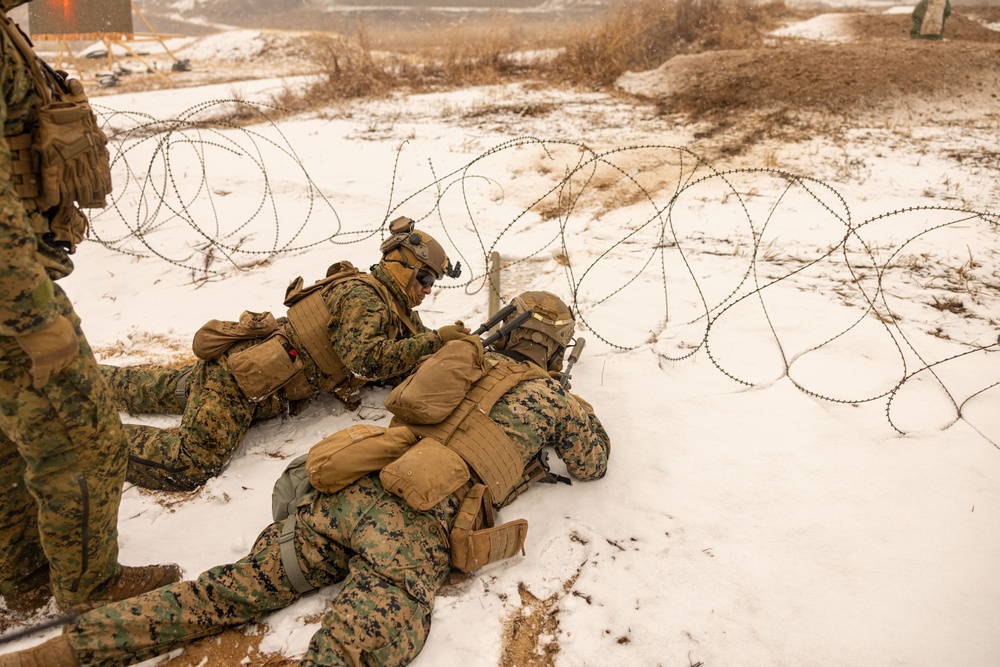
(475, 540)
(427, 473)
(216, 336)
(263, 369)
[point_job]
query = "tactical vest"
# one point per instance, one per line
(61, 156)
(483, 445)
(310, 318)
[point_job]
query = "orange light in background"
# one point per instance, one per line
(64, 8)
(77, 17)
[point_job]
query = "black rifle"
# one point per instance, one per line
(507, 328)
(574, 357)
(495, 320)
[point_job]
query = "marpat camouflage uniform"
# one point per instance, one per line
(391, 558)
(62, 450)
(217, 414)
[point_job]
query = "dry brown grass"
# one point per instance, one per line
(638, 34)
(642, 34)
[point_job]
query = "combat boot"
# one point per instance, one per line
(56, 652)
(131, 582)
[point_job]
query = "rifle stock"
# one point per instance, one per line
(505, 329)
(495, 320)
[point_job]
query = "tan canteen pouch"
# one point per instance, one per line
(216, 336)
(425, 475)
(265, 368)
(470, 548)
(353, 452)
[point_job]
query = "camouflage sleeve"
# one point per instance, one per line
(583, 445)
(540, 413)
(360, 335)
(26, 292)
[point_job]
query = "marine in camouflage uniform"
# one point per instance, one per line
(62, 450)
(391, 557)
(369, 333)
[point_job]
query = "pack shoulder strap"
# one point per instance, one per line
(289, 560)
(21, 43)
(309, 316)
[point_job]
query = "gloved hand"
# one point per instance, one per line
(51, 350)
(585, 404)
(451, 332)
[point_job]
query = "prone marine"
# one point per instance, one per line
(347, 330)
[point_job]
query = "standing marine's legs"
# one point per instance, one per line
(24, 569)
(70, 440)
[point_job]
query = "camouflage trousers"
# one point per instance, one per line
(62, 466)
(216, 416)
(392, 559)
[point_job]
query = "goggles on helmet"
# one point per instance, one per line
(425, 278)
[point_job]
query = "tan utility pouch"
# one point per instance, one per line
(217, 336)
(475, 541)
(353, 452)
(440, 383)
(265, 368)
(425, 475)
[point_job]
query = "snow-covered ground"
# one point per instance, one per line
(795, 355)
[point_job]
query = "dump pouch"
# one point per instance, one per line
(351, 453)
(265, 368)
(475, 541)
(216, 336)
(425, 474)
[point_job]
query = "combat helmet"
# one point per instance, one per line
(550, 327)
(408, 250)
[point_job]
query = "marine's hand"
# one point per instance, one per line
(451, 332)
(51, 350)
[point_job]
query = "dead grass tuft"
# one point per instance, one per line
(642, 34)
(525, 628)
